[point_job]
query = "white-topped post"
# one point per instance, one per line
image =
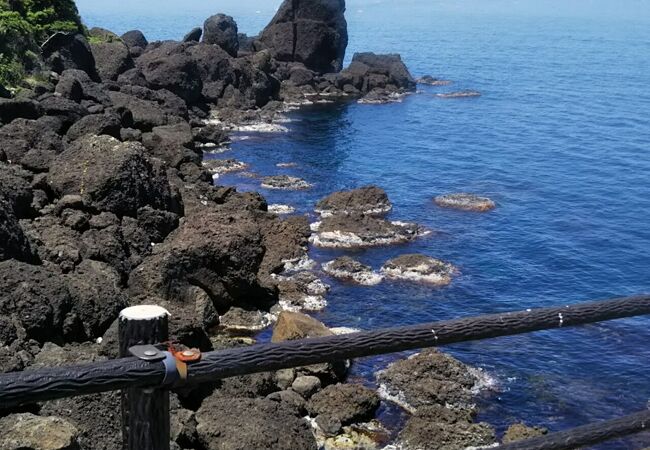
(145, 412)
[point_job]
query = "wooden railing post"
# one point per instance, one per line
(145, 412)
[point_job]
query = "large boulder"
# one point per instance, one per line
(13, 243)
(110, 176)
(96, 124)
(294, 325)
(369, 71)
(135, 38)
(430, 378)
(174, 144)
(36, 298)
(69, 51)
(439, 428)
(97, 297)
(150, 108)
(347, 403)
(244, 423)
(29, 432)
(112, 56)
(170, 67)
(222, 30)
(11, 109)
(30, 143)
(313, 32)
(365, 200)
(207, 265)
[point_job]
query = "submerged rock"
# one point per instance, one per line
(349, 269)
(366, 200)
(279, 209)
(416, 267)
(465, 201)
(520, 432)
(285, 182)
(303, 291)
(431, 81)
(355, 230)
(460, 94)
(240, 320)
(27, 431)
(429, 378)
(221, 166)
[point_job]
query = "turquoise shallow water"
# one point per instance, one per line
(560, 139)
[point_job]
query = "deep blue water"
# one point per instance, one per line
(560, 139)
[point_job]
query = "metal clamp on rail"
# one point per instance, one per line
(174, 359)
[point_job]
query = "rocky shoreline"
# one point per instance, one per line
(106, 202)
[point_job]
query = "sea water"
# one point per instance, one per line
(560, 139)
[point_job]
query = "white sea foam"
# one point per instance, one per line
(298, 264)
(281, 209)
(366, 278)
(261, 127)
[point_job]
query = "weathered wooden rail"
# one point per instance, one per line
(144, 380)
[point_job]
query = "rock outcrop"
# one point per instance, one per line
(370, 200)
(312, 32)
(222, 30)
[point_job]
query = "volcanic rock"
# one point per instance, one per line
(355, 230)
(221, 166)
(174, 144)
(221, 30)
(306, 385)
(520, 432)
(35, 297)
(170, 67)
(313, 32)
(347, 403)
(135, 38)
(416, 267)
(464, 201)
(428, 378)
(292, 326)
(366, 200)
(110, 176)
(346, 268)
(27, 431)
(243, 423)
(439, 428)
(30, 143)
(112, 58)
(11, 109)
(431, 81)
(194, 35)
(460, 94)
(284, 182)
(69, 51)
(96, 124)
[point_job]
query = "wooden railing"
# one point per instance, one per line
(145, 379)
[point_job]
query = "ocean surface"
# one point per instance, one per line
(560, 139)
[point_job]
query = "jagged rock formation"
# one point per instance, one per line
(312, 32)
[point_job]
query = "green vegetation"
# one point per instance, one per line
(24, 26)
